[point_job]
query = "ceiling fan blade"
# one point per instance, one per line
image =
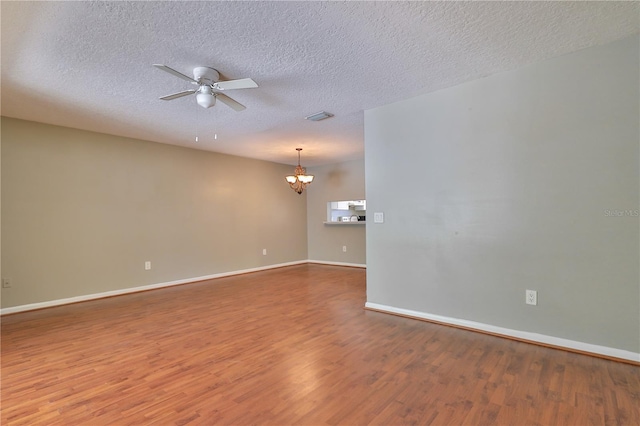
(230, 102)
(178, 95)
(174, 72)
(243, 83)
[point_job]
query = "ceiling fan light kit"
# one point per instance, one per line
(206, 79)
(300, 179)
(205, 97)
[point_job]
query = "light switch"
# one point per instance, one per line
(378, 217)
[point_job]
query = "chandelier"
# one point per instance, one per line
(300, 179)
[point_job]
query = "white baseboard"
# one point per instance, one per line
(83, 298)
(521, 335)
(351, 265)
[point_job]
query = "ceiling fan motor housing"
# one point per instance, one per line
(205, 75)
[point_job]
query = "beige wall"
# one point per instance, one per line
(82, 212)
(335, 182)
(527, 179)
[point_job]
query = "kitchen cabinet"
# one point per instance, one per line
(358, 205)
(340, 205)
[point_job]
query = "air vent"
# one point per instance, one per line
(319, 116)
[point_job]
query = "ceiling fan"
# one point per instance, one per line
(208, 87)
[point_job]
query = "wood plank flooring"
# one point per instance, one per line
(291, 346)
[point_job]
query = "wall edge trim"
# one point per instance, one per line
(351, 265)
(120, 292)
(523, 336)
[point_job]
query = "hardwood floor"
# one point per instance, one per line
(289, 346)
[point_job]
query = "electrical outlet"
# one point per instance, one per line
(147, 265)
(344, 249)
(6, 283)
(264, 252)
(531, 297)
(378, 217)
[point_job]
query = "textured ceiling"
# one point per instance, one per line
(88, 65)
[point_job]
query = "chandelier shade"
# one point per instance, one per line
(300, 179)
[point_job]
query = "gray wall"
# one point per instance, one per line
(82, 212)
(335, 182)
(517, 181)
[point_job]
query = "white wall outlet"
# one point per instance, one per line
(264, 252)
(344, 249)
(6, 283)
(531, 297)
(147, 265)
(378, 217)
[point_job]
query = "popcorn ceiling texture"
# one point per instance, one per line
(88, 65)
